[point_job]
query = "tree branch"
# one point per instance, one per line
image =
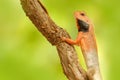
(53, 33)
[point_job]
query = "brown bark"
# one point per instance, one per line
(53, 33)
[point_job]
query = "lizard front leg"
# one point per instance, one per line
(73, 42)
(70, 41)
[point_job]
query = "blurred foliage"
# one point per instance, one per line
(26, 55)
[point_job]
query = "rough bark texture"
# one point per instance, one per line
(53, 33)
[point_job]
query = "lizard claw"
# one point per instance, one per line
(63, 38)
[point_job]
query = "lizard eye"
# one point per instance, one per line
(82, 14)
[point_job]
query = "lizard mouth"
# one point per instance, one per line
(82, 26)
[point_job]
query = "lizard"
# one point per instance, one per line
(86, 40)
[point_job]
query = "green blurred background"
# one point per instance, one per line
(26, 55)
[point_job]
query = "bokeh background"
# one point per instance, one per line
(26, 55)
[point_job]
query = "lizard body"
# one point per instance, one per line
(86, 40)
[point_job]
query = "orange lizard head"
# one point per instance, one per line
(83, 22)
